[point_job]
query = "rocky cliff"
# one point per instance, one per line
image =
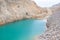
(55, 7)
(12, 10)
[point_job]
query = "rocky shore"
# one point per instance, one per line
(53, 26)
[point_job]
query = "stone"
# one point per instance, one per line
(13, 10)
(53, 27)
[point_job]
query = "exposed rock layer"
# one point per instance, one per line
(12, 10)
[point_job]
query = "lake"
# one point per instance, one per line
(22, 30)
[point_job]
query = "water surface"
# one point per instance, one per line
(22, 30)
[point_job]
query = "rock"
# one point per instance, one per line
(12, 10)
(55, 8)
(53, 28)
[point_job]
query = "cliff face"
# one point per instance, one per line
(55, 8)
(12, 10)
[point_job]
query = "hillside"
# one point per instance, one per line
(12, 10)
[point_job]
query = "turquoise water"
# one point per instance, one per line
(22, 30)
